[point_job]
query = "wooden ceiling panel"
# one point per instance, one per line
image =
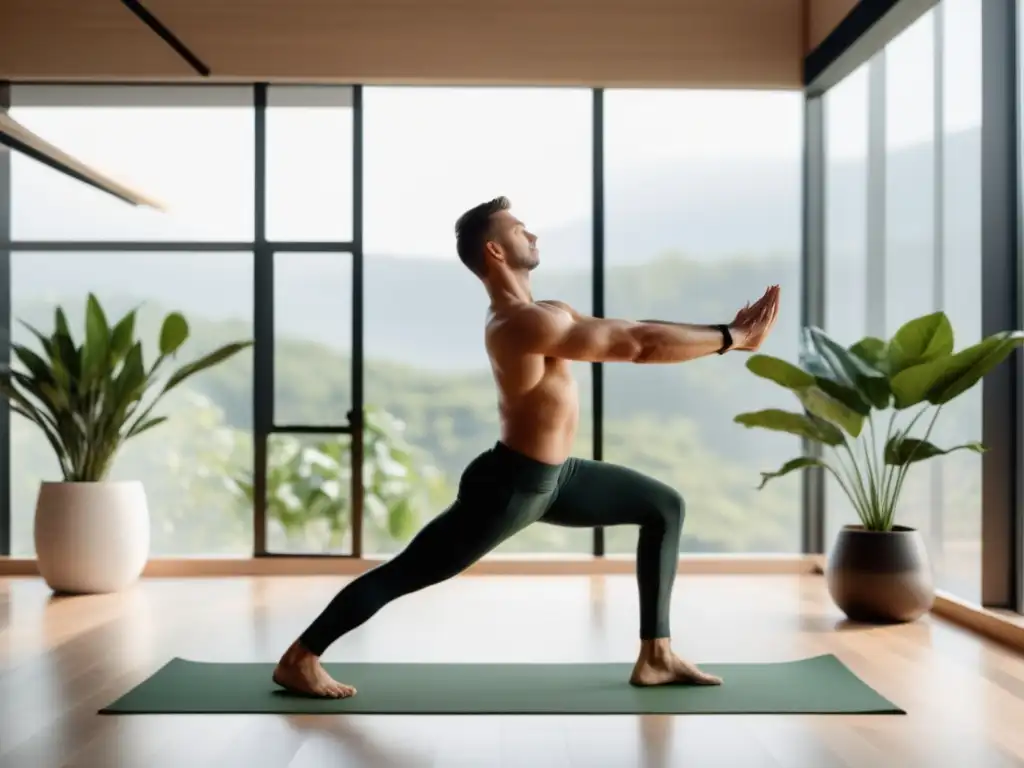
(754, 43)
(720, 43)
(82, 39)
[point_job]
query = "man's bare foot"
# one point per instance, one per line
(659, 665)
(299, 671)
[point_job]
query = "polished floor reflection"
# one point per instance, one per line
(61, 659)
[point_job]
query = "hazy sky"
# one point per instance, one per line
(430, 153)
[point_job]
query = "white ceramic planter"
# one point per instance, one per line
(91, 537)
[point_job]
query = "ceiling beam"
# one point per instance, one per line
(864, 31)
(167, 36)
(21, 139)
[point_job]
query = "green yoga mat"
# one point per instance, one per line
(817, 685)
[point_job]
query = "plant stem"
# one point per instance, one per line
(852, 497)
(873, 471)
(859, 498)
(910, 459)
(890, 472)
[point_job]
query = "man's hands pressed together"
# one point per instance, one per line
(754, 322)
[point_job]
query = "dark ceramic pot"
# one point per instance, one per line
(880, 577)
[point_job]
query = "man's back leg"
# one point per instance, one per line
(446, 546)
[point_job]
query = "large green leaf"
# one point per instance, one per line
(97, 339)
(60, 323)
(22, 405)
(877, 390)
(912, 385)
(792, 423)
(872, 351)
(217, 356)
(65, 351)
(173, 333)
(848, 396)
(132, 377)
(45, 341)
(834, 411)
(909, 450)
(148, 424)
(36, 366)
(14, 394)
(925, 338)
(35, 388)
(810, 359)
(791, 466)
(968, 367)
(849, 369)
(781, 372)
(121, 337)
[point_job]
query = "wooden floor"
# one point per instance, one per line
(62, 659)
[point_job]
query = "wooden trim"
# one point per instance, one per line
(584, 565)
(1003, 627)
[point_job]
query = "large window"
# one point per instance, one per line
(160, 141)
(189, 148)
(846, 241)
(309, 163)
(933, 259)
(920, 252)
(430, 154)
(312, 339)
(184, 462)
(703, 203)
(956, 532)
(702, 210)
(910, 216)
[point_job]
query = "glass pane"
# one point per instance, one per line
(956, 518)
(432, 153)
(185, 461)
(910, 174)
(309, 163)
(312, 339)
(910, 219)
(189, 147)
(846, 247)
(309, 494)
(703, 212)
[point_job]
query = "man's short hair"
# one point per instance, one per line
(472, 230)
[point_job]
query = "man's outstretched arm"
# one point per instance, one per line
(559, 332)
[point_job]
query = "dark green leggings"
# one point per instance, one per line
(500, 493)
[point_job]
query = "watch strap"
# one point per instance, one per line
(726, 338)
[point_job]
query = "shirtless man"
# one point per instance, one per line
(528, 476)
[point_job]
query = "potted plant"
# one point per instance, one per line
(877, 571)
(92, 534)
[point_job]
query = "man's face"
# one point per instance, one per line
(517, 244)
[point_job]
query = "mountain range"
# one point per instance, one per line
(427, 312)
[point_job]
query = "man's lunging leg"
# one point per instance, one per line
(445, 547)
(599, 494)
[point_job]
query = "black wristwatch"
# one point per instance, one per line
(726, 338)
